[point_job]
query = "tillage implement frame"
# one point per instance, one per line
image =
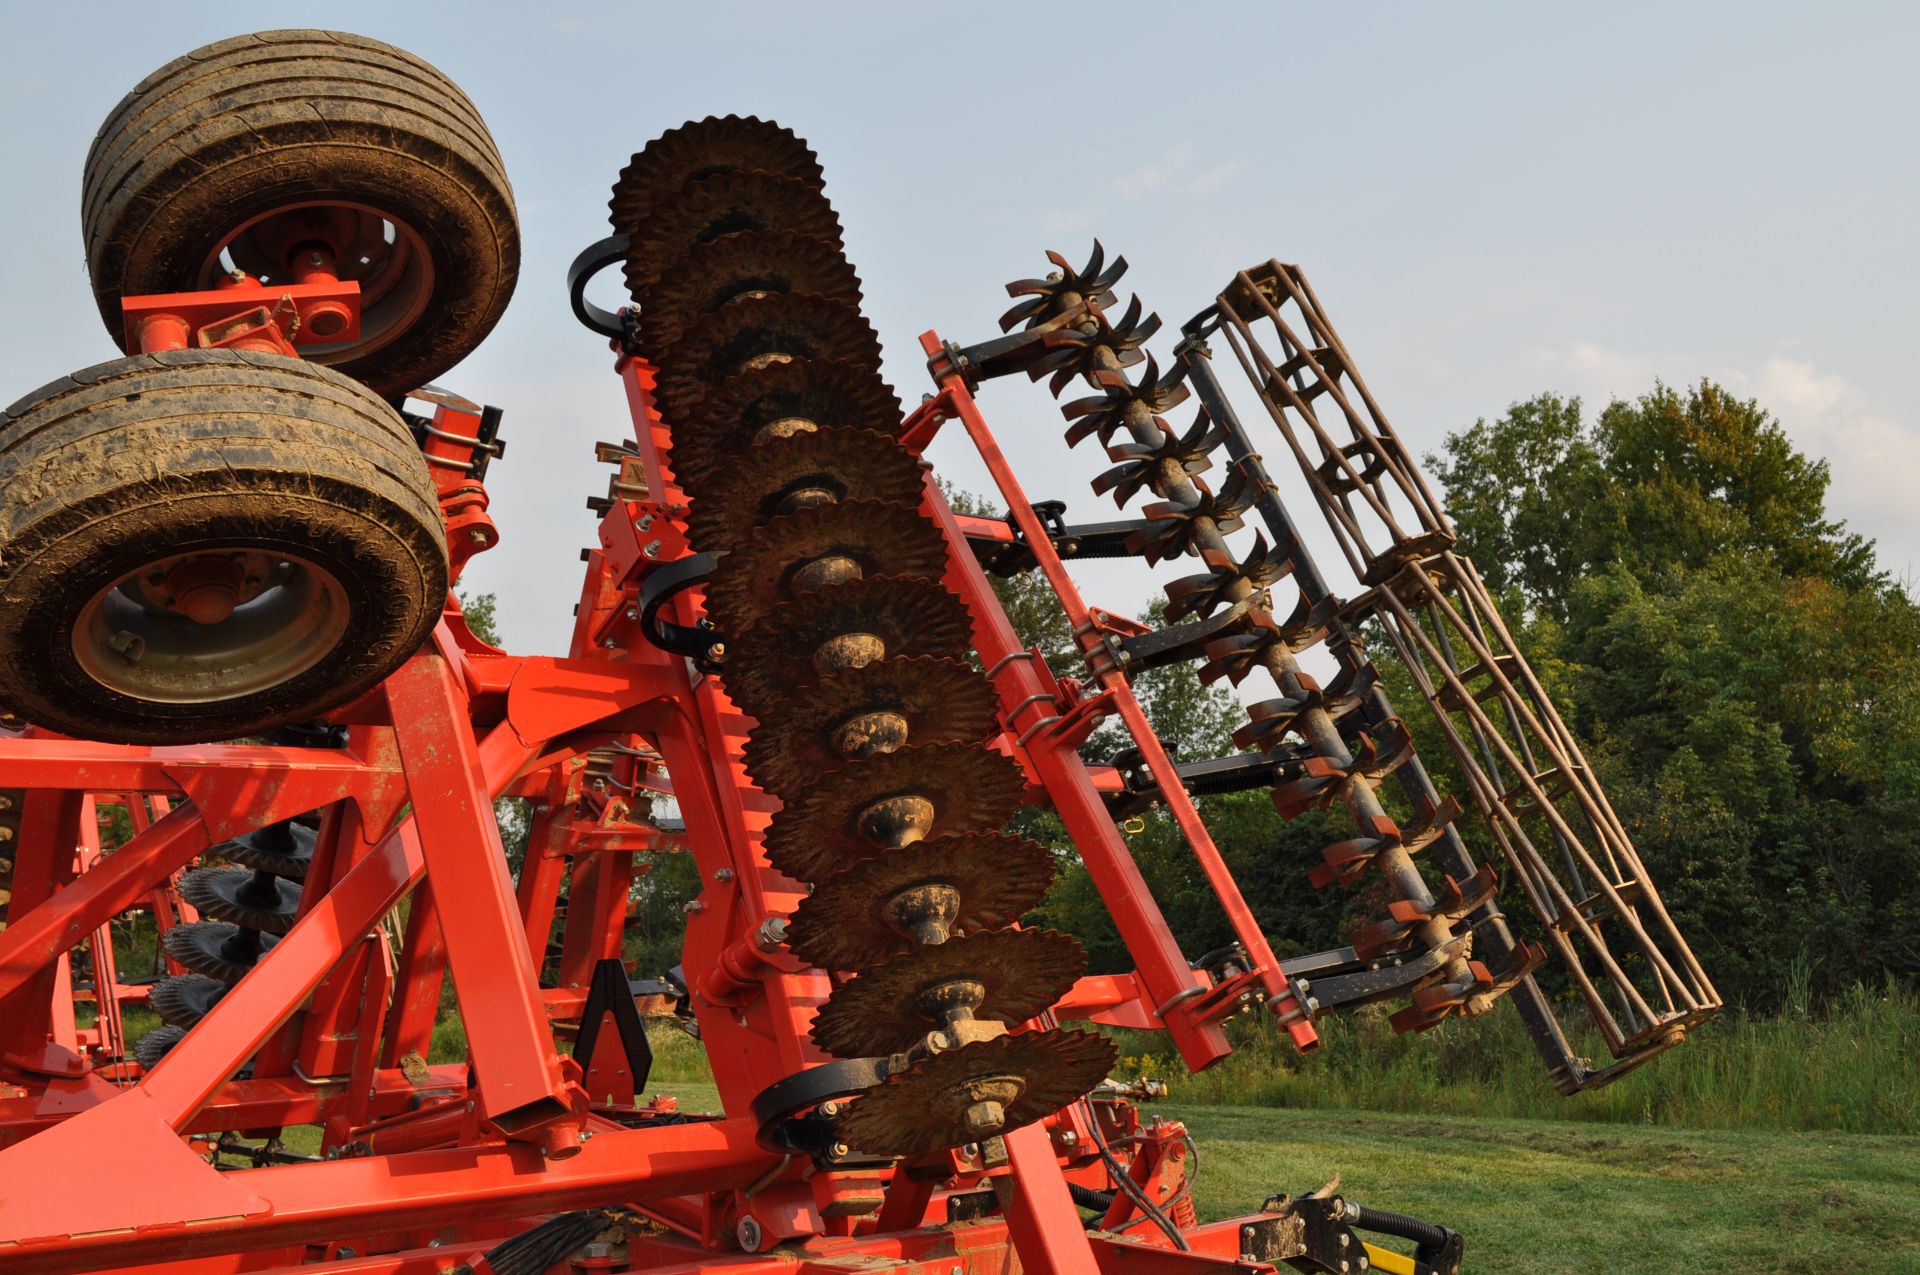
(227, 563)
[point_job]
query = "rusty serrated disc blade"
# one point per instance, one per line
(886, 1010)
(725, 204)
(757, 331)
(184, 999)
(820, 725)
(800, 469)
(924, 1108)
(771, 571)
(216, 949)
(819, 834)
(851, 921)
(153, 1046)
(898, 615)
(284, 849)
(254, 900)
(700, 149)
(733, 414)
(753, 262)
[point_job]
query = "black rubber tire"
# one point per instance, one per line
(163, 454)
(214, 139)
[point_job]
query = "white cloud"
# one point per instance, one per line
(1595, 372)
(1156, 174)
(1213, 179)
(1170, 172)
(1874, 456)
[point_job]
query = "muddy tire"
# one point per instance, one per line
(200, 545)
(229, 154)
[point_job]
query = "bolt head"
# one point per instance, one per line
(985, 1118)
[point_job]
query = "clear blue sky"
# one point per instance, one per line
(1492, 200)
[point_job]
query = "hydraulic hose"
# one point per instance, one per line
(1382, 1222)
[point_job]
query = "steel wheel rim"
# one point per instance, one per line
(127, 640)
(372, 247)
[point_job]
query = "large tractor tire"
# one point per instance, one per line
(205, 544)
(245, 152)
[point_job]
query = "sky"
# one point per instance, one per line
(1491, 200)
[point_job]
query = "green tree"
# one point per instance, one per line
(1668, 482)
(481, 610)
(1736, 666)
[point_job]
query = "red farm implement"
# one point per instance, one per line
(225, 612)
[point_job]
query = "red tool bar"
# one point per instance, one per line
(326, 311)
(373, 1194)
(98, 896)
(956, 400)
(521, 1085)
(1020, 679)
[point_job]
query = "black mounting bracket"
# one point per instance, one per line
(608, 993)
(594, 258)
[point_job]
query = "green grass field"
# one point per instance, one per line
(1808, 1161)
(1554, 1196)
(1545, 1197)
(1539, 1196)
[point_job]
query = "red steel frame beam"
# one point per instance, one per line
(521, 1084)
(1031, 697)
(755, 1033)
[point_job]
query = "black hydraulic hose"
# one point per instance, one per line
(533, 1251)
(1121, 1179)
(1398, 1224)
(1088, 1198)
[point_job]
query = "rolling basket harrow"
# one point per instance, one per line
(225, 564)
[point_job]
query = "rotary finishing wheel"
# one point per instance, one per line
(284, 849)
(780, 475)
(857, 713)
(255, 900)
(182, 1000)
(926, 893)
(977, 1091)
(726, 204)
(1002, 976)
(153, 1045)
(776, 400)
(843, 626)
(754, 332)
(216, 949)
(780, 566)
(701, 149)
(753, 263)
(890, 801)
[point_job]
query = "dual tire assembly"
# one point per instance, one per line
(204, 544)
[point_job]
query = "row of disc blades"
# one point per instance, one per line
(1190, 518)
(845, 647)
(245, 906)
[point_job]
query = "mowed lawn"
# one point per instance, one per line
(1542, 1197)
(1550, 1196)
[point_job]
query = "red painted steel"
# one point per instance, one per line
(335, 1020)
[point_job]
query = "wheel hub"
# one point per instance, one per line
(210, 625)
